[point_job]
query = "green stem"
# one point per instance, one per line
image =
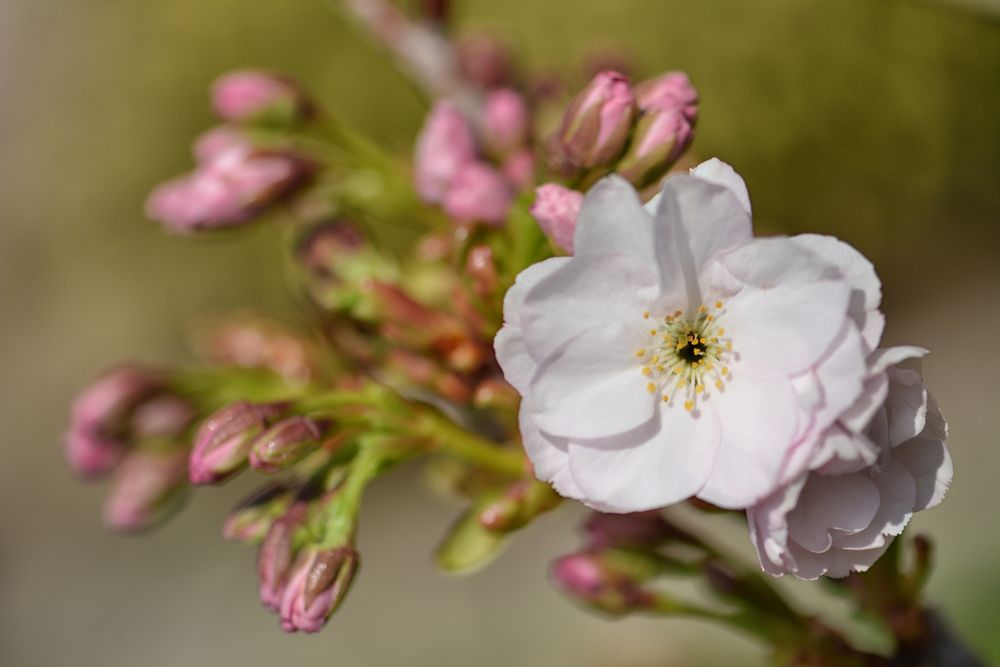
(467, 446)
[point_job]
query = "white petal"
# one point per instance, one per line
(884, 357)
(716, 171)
(841, 375)
(662, 463)
(759, 423)
(929, 462)
(841, 452)
(846, 503)
(548, 455)
(872, 398)
(897, 493)
(768, 523)
(843, 562)
(809, 565)
(612, 220)
(906, 405)
(593, 387)
(860, 273)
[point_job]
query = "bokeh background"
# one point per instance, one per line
(875, 120)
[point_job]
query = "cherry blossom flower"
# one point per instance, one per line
(675, 355)
(835, 524)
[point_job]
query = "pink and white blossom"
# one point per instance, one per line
(663, 360)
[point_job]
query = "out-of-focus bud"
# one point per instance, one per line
(485, 61)
(496, 393)
(287, 442)
(318, 583)
(505, 121)
(444, 145)
(222, 443)
(521, 502)
(597, 123)
(435, 12)
(590, 578)
(251, 519)
(639, 530)
(98, 418)
(519, 168)
(323, 248)
(211, 144)
(661, 137)
(672, 90)
(255, 96)
(148, 487)
(556, 209)
(164, 416)
(274, 558)
(479, 193)
(468, 546)
(479, 265)
(254, 342)
(233, 188)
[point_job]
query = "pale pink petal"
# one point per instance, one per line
(930, 465)
(612, 220)
(906, 405)
(897, 493)
(716, 171)
(847, 503)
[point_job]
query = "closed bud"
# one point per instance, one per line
(97, 437)
(222, 443)
(444, 145)
(276, 553)
(519, 168)
(216, 141)
(252, 96)
(318, 583)
(148, 487)
(521, 502)
(505, 121)
(638, 530)
(556, 209)
(478, 193)
(661, 137)
(672, 90)
(468, 546)
(285, 443)
(597, 123)
(251, 519)
(589, 578)
(163, 416)
(485, 61)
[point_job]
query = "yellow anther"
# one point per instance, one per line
(722, 332)
(702, 341)
(718, 304)
(652, 332)
(666, 398)
(729, 346)
(651, 388)
(660, 368)
(713, 339)
(699, 388)
(702, 308)
(678, 369)
(709, 318)
(689, 405)
(646, 370)
(640, 352)
(719, 385)
(682, 382)
(725, 370)
(645, 314)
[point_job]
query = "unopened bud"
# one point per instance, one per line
(557, 209)
(222, 443)
(661, 137)
(672, 90)
(287, 442)
(164, 416)
(148, 487)
(505, 121)
(468, 546)
(640, 529)
(484, 61)
(318, 583)
(274, 558)
(588, 578)
(255, 96)
(478, 193)
(521, 502)
(444, 145)
(496, 393)
(597, 123)
(519, 168)
(250, 520)
(211, 144)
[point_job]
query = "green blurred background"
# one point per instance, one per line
(875, 120)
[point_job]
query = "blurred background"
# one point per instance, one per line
(875, 120)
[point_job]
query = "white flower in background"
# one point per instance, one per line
(675, 355)
(836, 524)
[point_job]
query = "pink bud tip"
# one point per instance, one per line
(479, 193)
(672, 90)
(250, 95)
(556, 209)
(505, 120)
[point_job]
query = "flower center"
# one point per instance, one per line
(686, 355)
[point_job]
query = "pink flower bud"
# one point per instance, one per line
(556, 209)
(147, 488)
(255, 96)
(661, 137)
(223, 441)
(589, 578)
(318, 583)
(672, 90)
(505, 122)
(274, 558)
(287, 442)
(253, 517)
(640, 529)
(519, 168)
(597, 123)
(485, 61)
(213, 143)
(479, 193)
(444, 145)
(164, 416)
(98, 418)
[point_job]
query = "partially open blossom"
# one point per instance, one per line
(665, 359)
(597, 123)
(285, 443)
(318, 583)
(835, 524)
(478, 193)
(147, 488)
(505, 120)
(672, 90)
(661, 137)
(556, 209)
(96, 439)
(233, 187)
(223, 441)
(254, 96)
(444, 146)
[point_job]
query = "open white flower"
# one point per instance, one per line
(835, 524)
(675, 355)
